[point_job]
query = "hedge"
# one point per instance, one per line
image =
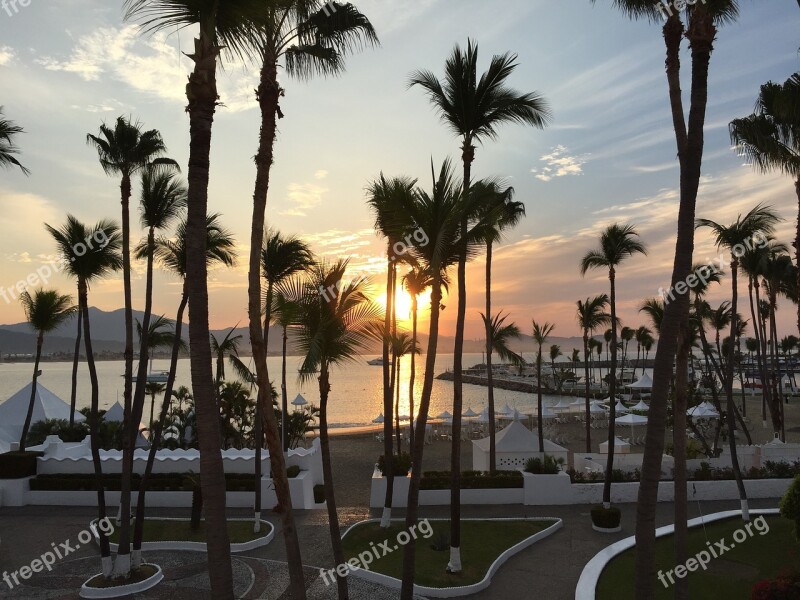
(16, 465)
(159, 482)
(472, 480)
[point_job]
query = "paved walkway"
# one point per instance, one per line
(551, 567)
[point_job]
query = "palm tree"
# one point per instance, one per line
(770, 137)
(154, 388)
(654, 309)
(126, 150)
(45, 311)
(222, 25)
(281, 258)
(617, 242)
(333, 329)
(700, 29)
(95, 263)
(172, 255)
(160, 335)
(385, 197)
(8, 131)
(416, 281)
(163, 200)
(500, 334)
(641, 335)
(226, 348)
(591, 316)
(540, 334)
(509, 218)
(626, 334)
(737, 237)
(402, 345)
(555, 353)
(473, 109)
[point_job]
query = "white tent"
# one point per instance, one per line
(620, 446)
(115, 414)
(641, 407)
(562, 405)
(379, 419)
(594, 409)
(620, 408)
(632, 420)
(702, 412)
(514, 445)
(299, 401)
(644, 383)
(482, 418)
(506, 411)
(46, 406)
(470, 413)
(444, 415)
(547, 413)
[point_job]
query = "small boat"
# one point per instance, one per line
(375, 362)
(154, 377)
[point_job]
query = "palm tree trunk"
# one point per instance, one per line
(94, 422)
(284, 395)
(268, 96)
(489, 374)
(759, 361)
(29, 415)
(73, 397)
(413, 375)
(155, 434)
(679, 454)
(258, 442)
(690, 156)
(586, 382)
(797, 245)
(388, 452)
(412, 510)
(780, 426)
(454, 566)
(202, 95)
(766, 390)
(540, 424)
(327, 473)
(731, 417)
(396, 378)
(122, 565)
(612, 387)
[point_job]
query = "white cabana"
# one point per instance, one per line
(620, 446)
(702, 412)
(444, 415)
(641, 406)
(632, 420)
(547, 413)
(379, 419)
(620, 408)
(46, 406)
(562, 405)
(506, 411)
(116, 414)
(299, 401)
(644, 383)
(470, 413)
(514, 445)
(482, 418)
(594, 409)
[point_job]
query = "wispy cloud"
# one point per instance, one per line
(321, 174)
(560, 164)
(305, 197)
(7, 54)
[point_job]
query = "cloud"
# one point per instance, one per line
(7, 54)
(321, 174)
(153, 65)
(560, 164)
(305, 197)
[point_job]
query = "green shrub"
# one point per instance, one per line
(472, 480)
(790, 505)
(401, 464)
(319, 494)
(292, 471)
(606, 518)
(549, 466)
(159, 482)
(16, 465)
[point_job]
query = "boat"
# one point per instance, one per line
(154, 377)
(375, 362)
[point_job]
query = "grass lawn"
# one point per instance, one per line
(731, 576)
(481, 543)
(156, 530)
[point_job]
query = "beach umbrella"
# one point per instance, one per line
(299, 401)
(444, 415)
(641, 407)
(470, 413)
(378, 419)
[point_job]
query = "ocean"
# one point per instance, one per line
(356, 387)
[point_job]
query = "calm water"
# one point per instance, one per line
(356, 389)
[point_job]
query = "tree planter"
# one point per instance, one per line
(121, 591)
(606, 520)
(607, 529)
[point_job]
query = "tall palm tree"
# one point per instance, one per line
(500, 334)
(402, 345)
(555, 353)
(540, 334)
(416, 281)
(654, 309)
(281, 258)
(617, 242)
(309, 39)
(385, 197)
(770, 137)
(222, 25)
(591, 316)
(125, 150)
(45, 311)
(509, 218)
(626, 334)
(333, 329)
(222, 349)
(153, 389)
(697, 23)
(160, 335)
(172, 255)
(473, 109)
(439, 214)
(737, 237)
(8, 131)
(94, 264)
(641, 335)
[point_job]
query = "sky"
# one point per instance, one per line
(608, 156)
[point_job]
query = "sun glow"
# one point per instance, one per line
(403, 304)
